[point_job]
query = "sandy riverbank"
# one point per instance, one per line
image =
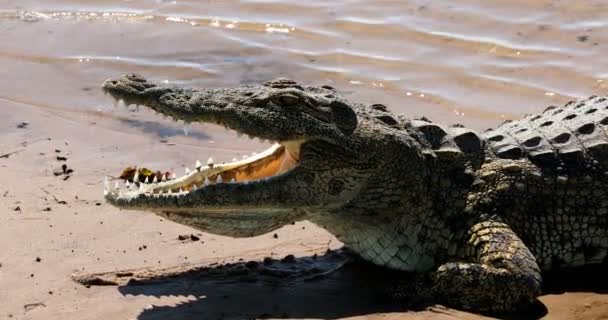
(55, 224)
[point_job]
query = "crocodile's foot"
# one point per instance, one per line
(505, 278)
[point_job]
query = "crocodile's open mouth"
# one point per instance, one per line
(225, 107)
(274, 161)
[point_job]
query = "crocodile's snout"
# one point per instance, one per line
(128, 88)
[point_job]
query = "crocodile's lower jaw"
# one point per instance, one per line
(274, 161)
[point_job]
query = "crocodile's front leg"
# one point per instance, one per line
(503, 275)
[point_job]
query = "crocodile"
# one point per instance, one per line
(477, 217)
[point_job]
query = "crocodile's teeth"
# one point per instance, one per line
(173, 176)
(163, 178)
(210, 162)
(244, 157)
(219, 179)
(181, 190)
(155, 180)
(233, 180)
(116, 185)
(206, 183)
(194, 187)
(141, 187)
(147, 180)
(234, 160)
(169, 191)
(187, 171)
(253, 154)
(197, 165)
(136, 176)
(128, 184)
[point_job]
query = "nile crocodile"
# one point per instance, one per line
(477, 216)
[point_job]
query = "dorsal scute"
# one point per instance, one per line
(382, 114)
(572, 137)
(469, 142)
(283, 83)
(454, 143)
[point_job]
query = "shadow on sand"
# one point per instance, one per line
(330, 286)
(163, 130)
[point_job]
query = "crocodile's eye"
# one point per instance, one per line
(289, 99)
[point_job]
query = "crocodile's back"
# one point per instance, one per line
(569, 138)
(559, 207)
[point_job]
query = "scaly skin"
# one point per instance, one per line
(478, 217)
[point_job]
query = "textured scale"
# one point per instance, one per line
(451, 143)
(570, 138)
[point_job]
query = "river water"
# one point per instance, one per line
(474, 62)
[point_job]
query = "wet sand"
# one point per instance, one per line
(473, 63)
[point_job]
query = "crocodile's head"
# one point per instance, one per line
(318, 160)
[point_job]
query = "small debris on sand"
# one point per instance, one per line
(184, 237)
(64, 171)
(32, 306)
(289, 258)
